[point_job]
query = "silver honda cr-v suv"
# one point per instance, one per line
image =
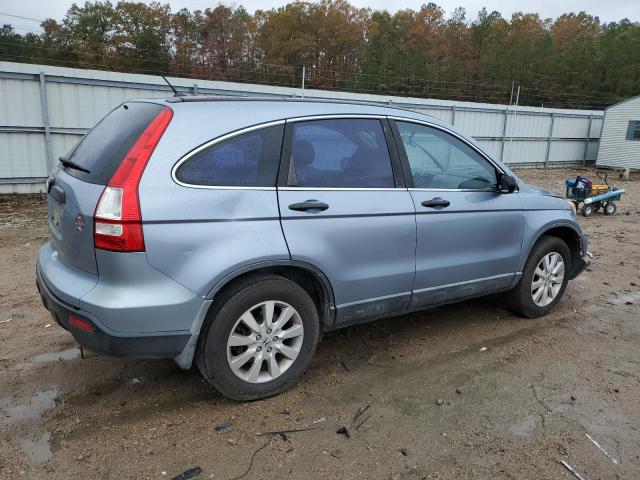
(233, 233)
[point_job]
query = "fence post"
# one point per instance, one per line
(453, 115)
(549, 138)
(195, 89)
(587, 139)
(304, 71)
(44, 108)
(504, 133)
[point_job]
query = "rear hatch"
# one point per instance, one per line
(74, 191)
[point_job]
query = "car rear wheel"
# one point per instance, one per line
(259, 338)
(544, 278)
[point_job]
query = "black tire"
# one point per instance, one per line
(211, 355)
(519, 298)
(587, 210)
(610, 208)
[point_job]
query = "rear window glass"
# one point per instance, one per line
(103, 148)
(247, 160)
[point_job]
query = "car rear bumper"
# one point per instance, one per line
(98, 340)
(133, 309)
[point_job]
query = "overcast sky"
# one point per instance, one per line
(607, 10)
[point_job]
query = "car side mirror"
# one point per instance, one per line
(507, 183)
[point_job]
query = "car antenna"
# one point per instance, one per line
(176, 93)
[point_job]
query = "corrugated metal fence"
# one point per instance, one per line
(45, 110)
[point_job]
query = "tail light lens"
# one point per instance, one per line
(117, 220)
(81, 323)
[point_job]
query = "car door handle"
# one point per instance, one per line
(308, 205)
(436, 202)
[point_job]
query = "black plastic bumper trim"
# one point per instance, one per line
(152, 346)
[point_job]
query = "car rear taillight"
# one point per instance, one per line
(117, 220)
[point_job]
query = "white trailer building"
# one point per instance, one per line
(620, 138)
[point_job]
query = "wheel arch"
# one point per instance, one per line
(308, 276)
(565, 231)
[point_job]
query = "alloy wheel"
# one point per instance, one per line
(547, 279)
(265, 341)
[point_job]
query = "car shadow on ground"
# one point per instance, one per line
(144, 388)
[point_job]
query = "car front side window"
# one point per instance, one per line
(438, 160)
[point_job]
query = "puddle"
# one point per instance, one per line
(55, 356)
(65, 355)
(519, 426)
(523, 427)
(624, 298)
(29, 410)
(37, 450)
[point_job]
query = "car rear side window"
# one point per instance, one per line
(247, 160)
(441, 161)
(340, 153)
(102, 149)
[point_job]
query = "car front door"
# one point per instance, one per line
(345, 210)
(469, 235)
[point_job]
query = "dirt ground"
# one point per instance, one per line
(463, 391)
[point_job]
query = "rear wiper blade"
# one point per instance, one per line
(68, 163)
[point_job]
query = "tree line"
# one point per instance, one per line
(572, 61)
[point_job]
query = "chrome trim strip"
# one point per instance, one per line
(452, 190)
(464, 283)
(450, 132)
(339, 189)
(213, 142)
(333, 116)
(217, 187)
(374, 299)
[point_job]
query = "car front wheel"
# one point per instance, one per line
(544, 278)
(259, 338)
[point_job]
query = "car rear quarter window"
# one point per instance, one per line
(102, 149)
(340, 153)
(247, 160)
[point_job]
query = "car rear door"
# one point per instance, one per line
(469, 235)
(344, 209)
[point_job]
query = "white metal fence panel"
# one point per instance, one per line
(480, 124)
(524, 152)
(566, 151)
(571, 127)
(529, 126)
(45, 110)
(17, 154)
(494, 147)
(20, 103)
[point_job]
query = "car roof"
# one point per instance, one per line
(206, 117)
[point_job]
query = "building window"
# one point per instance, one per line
(633, 132)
